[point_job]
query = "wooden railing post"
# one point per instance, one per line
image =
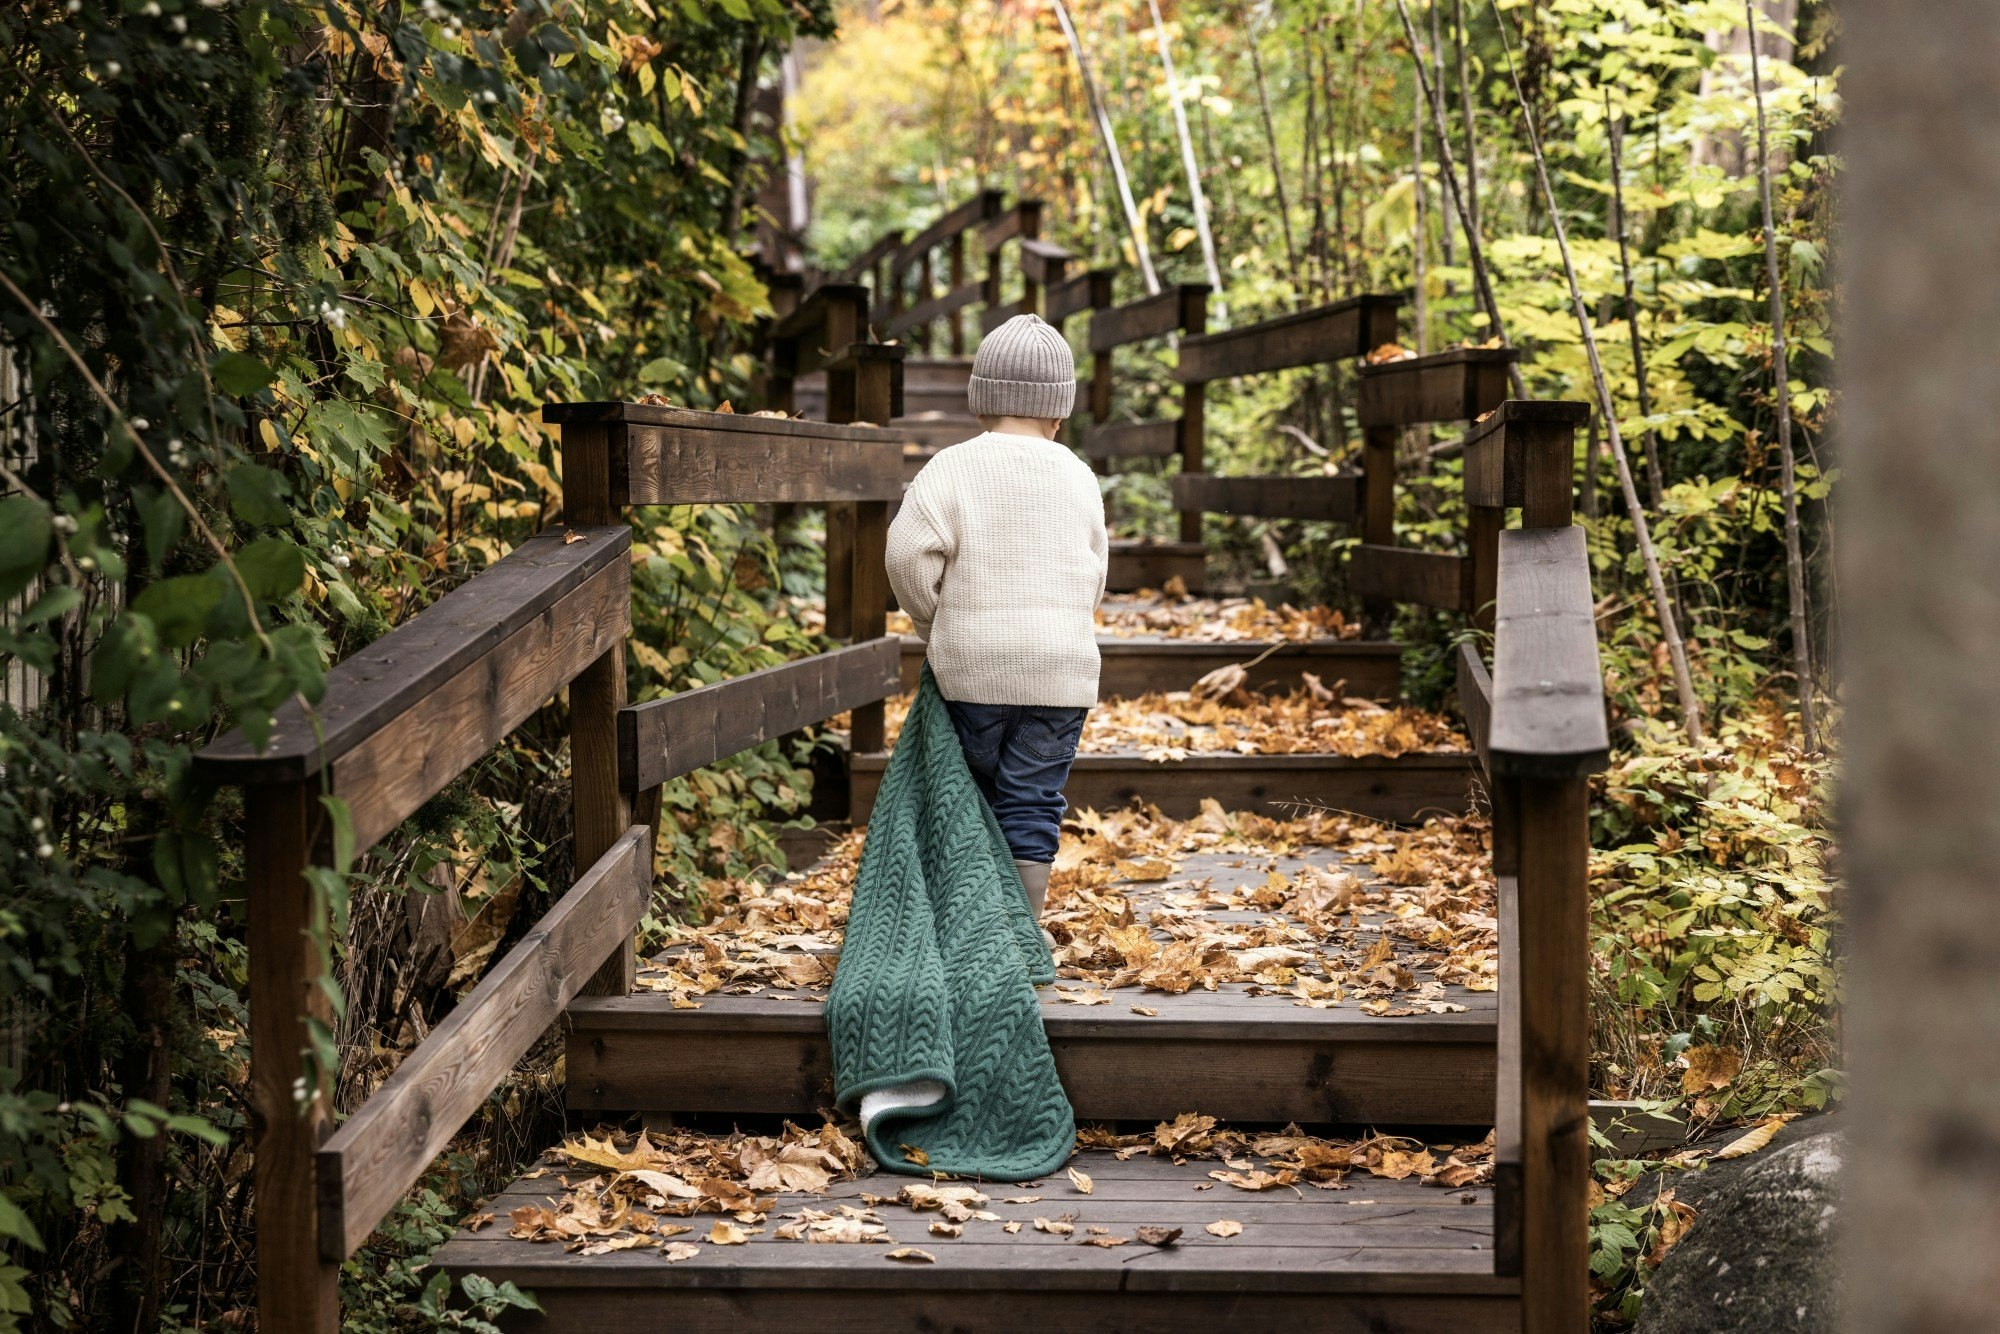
(1031, 230)
(1552, 846)
(285, 832)
(1378, 512)
(956, 268)
(600, 812)
(1194, 398)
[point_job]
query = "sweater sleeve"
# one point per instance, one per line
(917, 555)
(1100, 544)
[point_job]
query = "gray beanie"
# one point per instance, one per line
(1024, 369)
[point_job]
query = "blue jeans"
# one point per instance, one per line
(1020, 755)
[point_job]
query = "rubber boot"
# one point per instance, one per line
(1035, 880)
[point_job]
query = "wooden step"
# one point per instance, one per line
(1139, 665)
(1228, 1053)
(1136, 565)
(1378, 1255)
(1401, 789)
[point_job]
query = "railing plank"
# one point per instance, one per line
(826, 304)
(666, 738)
(1132, 440)
(1337, 498)
(1507, 1202)
(395, 674)
(1148, 317)
(1548, 688)
(1426, 578)
(1043, 261)
(698, 458)
(1445, 387)
(369, 1163)
(1341, 331)
(1475, 700)
(393, 772)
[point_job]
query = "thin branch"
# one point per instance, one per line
(1795, 574)
(1110, 140)
(1188, 162)
(1614, 134)
(1663, 606)
(1271, 140)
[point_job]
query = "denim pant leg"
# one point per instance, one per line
(982, 732)
(1028, 784)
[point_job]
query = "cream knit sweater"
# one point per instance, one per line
(999, 556)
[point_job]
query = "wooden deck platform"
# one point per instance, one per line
(1371, 1255)
(1242, 1053)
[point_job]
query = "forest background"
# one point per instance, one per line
(286, 282)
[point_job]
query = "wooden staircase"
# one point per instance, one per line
(411, 713)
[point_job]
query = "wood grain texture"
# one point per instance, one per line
(1149, 317)
(373, 687)
(665, 738)
(411, 757)
(1554, 914)
(1443, 387)
(1548, 687)
(707, 462)
(1132, 440)
(1508, 1208)
(1398, 574)
(1338, 332)
(286, 832)
(1330, 498)
(1043, 261)
(869, 618)
(1475, 698)
(367, 1165)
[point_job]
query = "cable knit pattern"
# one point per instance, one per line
(936, 973)
(999, 556)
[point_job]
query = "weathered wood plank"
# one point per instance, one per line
(370, 1161)
(1402, 789)
(1444, 387)
(1149, 317)
(937, 307)
(381, 682)
(1370, 669)
(825, 306)
(1338, 332)
(1548, 687)
(1496, 450)
(1024, 219)
(1072, 296)
(665, 738)
(1475, 698)
(1335, 498)
(1132, 440)
(410, 757)
(700, 462)
(1427, 578)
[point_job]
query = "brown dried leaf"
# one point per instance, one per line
(1224, 1227)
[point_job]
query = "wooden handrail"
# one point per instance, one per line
(1340, 331)
(665, 738)
(369, 1163)
(1548, 688)
(1475, 700)
(1156, 316)
(982, 207)
(680, 456)
(1458, 385)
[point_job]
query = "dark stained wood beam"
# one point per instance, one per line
(1132, 440)
(1445, 387)
(1397, 574)
(1149, 317)
(1548, 687)
(1337, 498)
(665, 738)
(368, 1164)
(1341, 331)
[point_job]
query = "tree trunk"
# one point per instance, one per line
(1920, 563)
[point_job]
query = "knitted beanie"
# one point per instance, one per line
(1024, 369)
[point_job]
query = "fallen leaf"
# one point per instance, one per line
(1054, 1228)
(1146, 1010)
(1011, 1226)
(1081, 1181)
(1750, 1141)
(911, 1255)
(726, 1234)
(1224, 1227)
(913, 1154)
(1159, 1236)
(572, 537)
(676, 1251)
(1106, 1242)
(940, 1228)
(1710, 1068)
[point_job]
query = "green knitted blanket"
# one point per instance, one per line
(936, 977)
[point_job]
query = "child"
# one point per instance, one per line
(999, 556)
